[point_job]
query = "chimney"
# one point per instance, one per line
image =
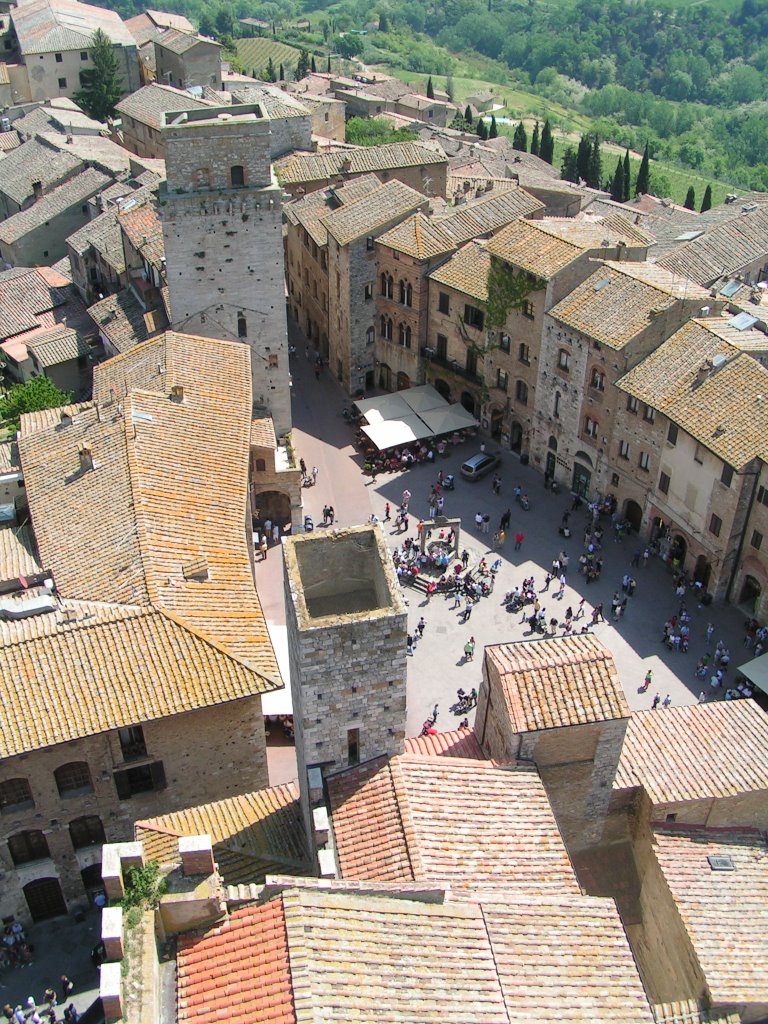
(65, 420)
(86, 460)
(37, 189)
(196, 853)
(177, 393)
(70, 139)
(346, 164)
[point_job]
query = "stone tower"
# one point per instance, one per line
(347, 627)
(222, 225)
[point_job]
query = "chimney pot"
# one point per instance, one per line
(86, 459)
(177, 393)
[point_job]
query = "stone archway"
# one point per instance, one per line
(497, 421)
(468, 402)
(403, 381)
(633, 514)
(443, 388)
(751, 592)
(702, 571)
(516, 436)
(274, 505)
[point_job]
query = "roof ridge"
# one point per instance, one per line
(402, 803)
(152, 587)
(132, 612)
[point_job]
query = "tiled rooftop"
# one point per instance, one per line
(547, 684)
(45, 26)
(724, 409)
(311, 210)
(272, 100)
(9, 140)
(307, 167)
(150, 24)
(724, 912)
(696, 752)
(142, 227)
(17, 557)
(453, 743)
(59, 200)
(466, 271)
(180, 42)
(395, 819)
(619, 300)
(263, 433)
(24, 296)
(109, 667)
(419, 236)
(253, 835)
(104, 236)
(58, 345)
(725, 248)
(367, 216)
(147, 105)
(121, 319)
(130, 531)
(35, 161)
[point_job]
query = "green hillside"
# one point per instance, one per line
(255, 54)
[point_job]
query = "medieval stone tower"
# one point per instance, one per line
(222, 225)
(347, 626)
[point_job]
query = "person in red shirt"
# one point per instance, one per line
(519, 538)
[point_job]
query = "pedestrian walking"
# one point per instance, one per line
(561, 591)
(317, 371)
(505, 520)
(597, 614)
(464, 558)
(519, 538)
(66, 988)
(264, 548)
(315, 472)
(303, 467)
(406, 498)
(420, 627)
(387, 513)
(710, 633)
(275, 534)
(50, 997)
(667, 701)
(469, 604)
(409, 644)
(456, 600)
(702, 697)
(656, 701)
(547, 581)
(579, 610)
(469, 649)
(486, 523)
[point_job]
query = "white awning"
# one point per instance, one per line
(394, 433)
(411, 415)
(757, 672)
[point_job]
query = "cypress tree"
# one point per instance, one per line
(328, 69)
(468, 115)
(569, 170)
(314, 66)
(494, 131)
(626, 176)
(482, 131)
(583, 157)
(547, 148)
(706, 202)
(690, 198)
(383, 22)
(535, 147)
(101, 88)
(430, 89)
(643, 175)
(595, 165)
(617, 182)
(269, 73)
(282, 73)
(520, 139)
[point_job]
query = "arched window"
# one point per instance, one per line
(260, 466)
(408, 300)
(237, 176)
(407, 337)
(401, 334)
(521, 392)
(15, 795)
(27, 846)
(390, 287)
(242, 326)
(370, 336)
(552, 443)
(383, 327)
(389, 329)
(384, 284)
(86, 831)
(73, 778)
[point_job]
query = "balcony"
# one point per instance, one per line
(451, 365)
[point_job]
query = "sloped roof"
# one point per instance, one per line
(58, 345)
(180, 42)
(274, 102)
(111, 667)
(165, 502)
(696, 752)
(311, 210)
(725, 248)
(263, 433)
(365, 217)
(102, 234)
(395, 819)
(17, 556)
(723, 911)
(148, 25)
(253, 835)
(466, 271)
(53, 204)
(9, 140)
(419, 236)
(620, 299)
(143, 228)
(306, 167)
(148, 104)
(35, 161)
(121, 319)
(547, 684)
(45, 26)
(726, 411)
(24, 295)
(452, 743)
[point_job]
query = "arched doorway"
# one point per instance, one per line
(633, 514)
(468, 402)
(702, 571)
(516, 437)
(497, 420)
(92, 881)
(385, 377)
(678, 549)
(403, 381)
(45, 899)
(549, 469)
(582, 475)
(274, 505)
(750, 593)
(442, 388)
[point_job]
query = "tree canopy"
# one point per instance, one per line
(38, 393)
(101, 86)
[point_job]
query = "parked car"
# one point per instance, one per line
(478, 465)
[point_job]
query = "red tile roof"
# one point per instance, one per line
(238, 972)
(455, 743)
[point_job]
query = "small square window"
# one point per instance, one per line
(527, 310)
(664, 482)
(369, 243)
(624, 449)
(632, 404)
(83, 55)
(597, 380)
(715, 525)
(502, 380)
(59, 58)
(563, 360)
(504, 342)
(524, 353)
(615, 480)
(443, 302)
(368, 292)
(649, 415)
(726, 477)
(672, 433)
(757, 539)
(644, 461)
(762, 495)
(62, 83)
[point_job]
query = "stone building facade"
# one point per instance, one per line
(222, 225)
(347, 625)
(185, 61)
(61, 803)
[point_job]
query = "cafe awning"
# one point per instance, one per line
(756, 672)
(411, 415)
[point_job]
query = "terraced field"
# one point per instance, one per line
(255, 54)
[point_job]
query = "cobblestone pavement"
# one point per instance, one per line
(438, 668)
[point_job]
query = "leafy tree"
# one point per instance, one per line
(375, 131)
(383, 22)
(617, 182)
(706, 202)
(570, 169)
(206, 27)
(626, 176)
(520, 138)
(430, 89)
(468, 114)
(690, 198)
(37, 393)
(347, 46)
(493, 131)
(482, 129)
(225, 23)
(535, 145)
(282, 73)
(314, 65)
(269, 71)
(302, 67)
(643, 175)
(547, 150)
(102, 88)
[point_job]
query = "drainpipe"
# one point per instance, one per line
(737, 559)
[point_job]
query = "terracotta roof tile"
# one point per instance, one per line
(180, 42)
(17, 552)
(455, 743)
(420, 236)
(723, 249)
(368, 216)
(620, 299)
(32, 162)
(547, 684)
(263, 433)
(696, 752)
(253, 835)
(239, 971)
(466, 271)
(54, 203)
(297, 168)
(122, 320)
(104, 236)
(143, 228)
(724, 912)
(691, 1011)
(148, 104)
(725, 410)
(43, 26)
(396, 819)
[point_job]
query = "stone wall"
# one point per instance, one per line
(207, 755)
(199, 66)
(392, 355)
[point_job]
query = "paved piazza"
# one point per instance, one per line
(323, 438)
